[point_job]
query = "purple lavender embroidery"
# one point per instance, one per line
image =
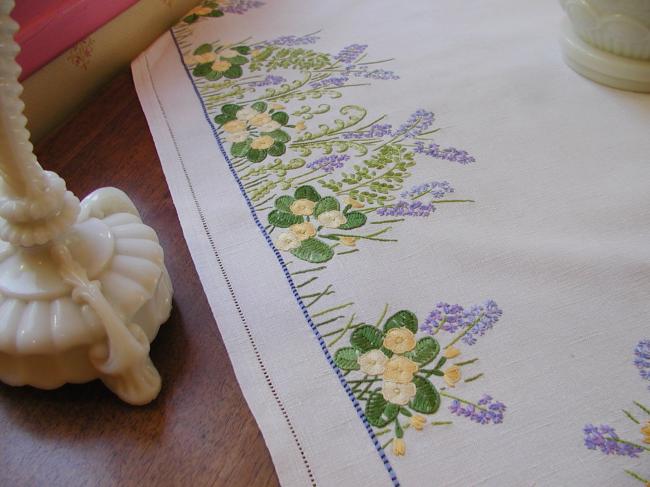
(290, 40)
(642, 359)
(241, 6)
(328, 164)
(488, 410)
(605, 439)
(435, 189)
(269, 80)
(477, 320)
(350, 53)
(381, 74)
(418, 122)
(450, 153)
(331, 81)
(406, 208)
(376, 130)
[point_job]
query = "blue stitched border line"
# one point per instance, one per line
(287, 274)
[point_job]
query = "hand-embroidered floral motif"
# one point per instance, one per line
(81, 53)
(329, 179)
(218, 8)
(605, 438)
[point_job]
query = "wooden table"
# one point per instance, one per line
(199, 431)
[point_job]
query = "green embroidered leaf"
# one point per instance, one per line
(307, 193)
(380, 412)
(190, 19)
(313, 250)
(346, 359)
(215, 13)
(213, 76)
(281, 117)
(203, 49)
(401, 319)
(426, 349)
(242, 49)
(256, 155)
(223, 118)
(259, 106)
(284, 219)
(202, 69)
(230, 109)
(427, 398)
(284, 203)
(366, 338)
(355, 220)
(233, 72)
(240, 149)
(279, 136)
(277, 149)
(326, 204)
(237, 60)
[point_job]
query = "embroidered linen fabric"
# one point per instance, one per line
(423, 237)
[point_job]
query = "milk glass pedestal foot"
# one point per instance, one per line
(83, 286)
(608, 41)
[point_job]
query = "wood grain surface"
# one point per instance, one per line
(199, 432)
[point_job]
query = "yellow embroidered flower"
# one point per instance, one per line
(277, 106)
(332, 219)
(302, 207)
(206, 57)
(399, 340)
(228, 53)
(645, 430)
(372, 362)
(199, 11)
(399, 447)
(221, 66)
(418, 422)
(452, 375)
(303, 230)
(234, 126)
(396, 393)
(270, 127)
(260, 119)
(451, 352)
(300, 126)
(348, 241)
(263, 142)
(236, 137)
(400, 369)
(287, 241)
(353, 203)
(246, 113)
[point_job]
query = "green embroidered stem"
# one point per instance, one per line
(472, 379)
(382, 316)
(313, 269)
(453, 201)
(318, 296)
(327, 322)
(347, 252)
(441, 423)
(642, 407)
(466, 362)
(329, 310)
(372, 236)
(382, 432)
(387, 221)
(636, 476)
(465, 331)
(387, 443)
(629, 415)
(307, 282)
(464, 401)
(365, 381)
(345, 329)
(442, 322)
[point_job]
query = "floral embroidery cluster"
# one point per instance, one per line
(328, 177)
(209, 8)
(605, 439)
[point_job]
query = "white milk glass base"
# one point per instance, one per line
(83, 286)
(608, 41)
